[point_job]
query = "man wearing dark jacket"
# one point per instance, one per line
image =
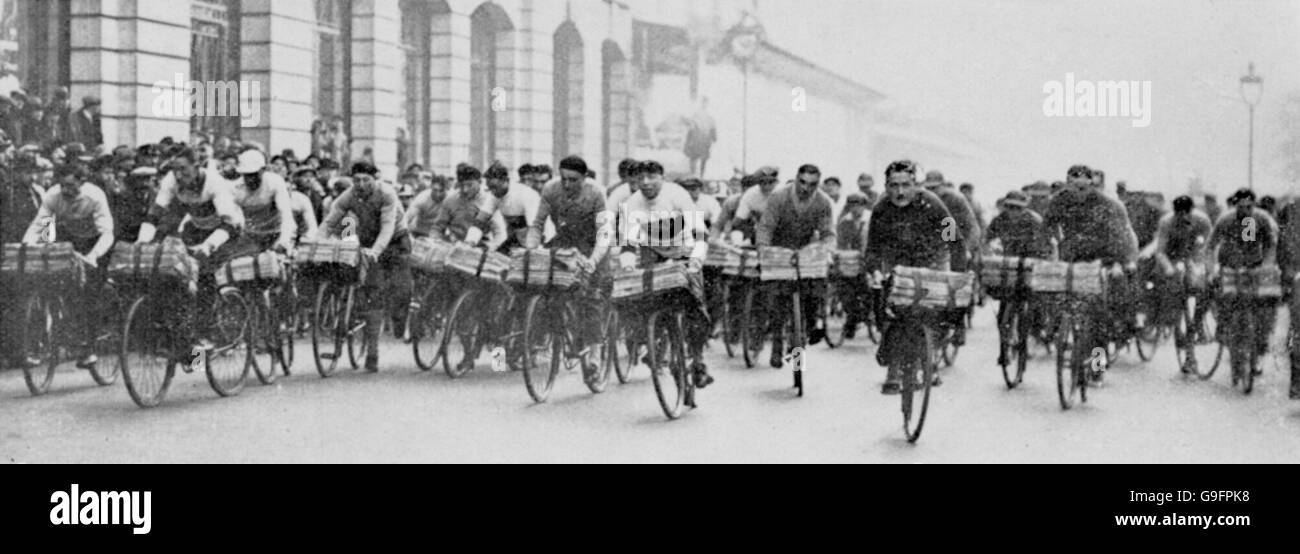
(85, 125)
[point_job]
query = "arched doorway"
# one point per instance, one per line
(615, 110)
(567, 80)
(489, 31)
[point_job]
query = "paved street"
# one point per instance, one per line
(1144, 413)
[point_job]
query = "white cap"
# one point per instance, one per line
(251, 161)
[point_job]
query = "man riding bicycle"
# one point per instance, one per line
(906, 229)
(669, 228)
(1245, 238)
(263, 196)
(385, 245)
(575, 207)
(1180, 239)
(1090, 226)
(796, 216)
(211, 220)
(76, 211)
(1021, 234)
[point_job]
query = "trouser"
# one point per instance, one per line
(855, 297)
(1293, 343)
(387, 290)
(698, 170)
(1246, 323)
(780, 308)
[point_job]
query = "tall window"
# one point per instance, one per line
(567, 84)
(487, 27)
(36, 44)
(333, 33)
(214, 56)
(417, 27)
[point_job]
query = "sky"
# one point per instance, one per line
(979, 66)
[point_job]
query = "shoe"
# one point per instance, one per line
(1098, 376)
(372, 365)
(88, 362)
(936, 381)
(959, 336)
(850, 330)
(816, 336)
(701, 374)
(891, 387)
(777, 360)
(590, 373)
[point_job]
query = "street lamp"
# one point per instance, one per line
(1252, 88)
(745, 37)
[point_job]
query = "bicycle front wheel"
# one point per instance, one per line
(1011, 355)
(230, 360)
(146, 356)
(266, 340)
(543, 349)
(667, 361)
(798, 339)
(40, 349)
(108, 339)
(605, 353)
(1071, 379)
(427, 324)
(918, 370)
(461, 341)
(752, 326)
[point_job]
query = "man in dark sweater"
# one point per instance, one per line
(796, 216)
(906, 229)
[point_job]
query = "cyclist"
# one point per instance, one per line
(1245, 237)
(516, 203)
(1288, 257)
(851, 234)
(965, 243)
(198, 205)
(1090, 226)
(669, 228)
(263, 195)
(379, 224)
(905, 230)
(796, 217)
(750, 207)
(460, 216)
(1180, 238)
(572, 209)
(1020, 232)
(77, 212)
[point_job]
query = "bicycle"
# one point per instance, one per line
(552, 337)
(50, 337)
(666, 345)
(478, 315)
(155, 337)
(271, 302)
(1195, 341)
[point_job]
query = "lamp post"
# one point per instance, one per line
(1252, 88)
(745, 37)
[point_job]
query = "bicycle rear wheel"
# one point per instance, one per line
(328, 327)
(356, 330)
(918, 369)
(230, 360)
(667, 361)
(146, 357)
(832, 318)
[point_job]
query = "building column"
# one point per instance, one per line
(277, 52)
(125, 52)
